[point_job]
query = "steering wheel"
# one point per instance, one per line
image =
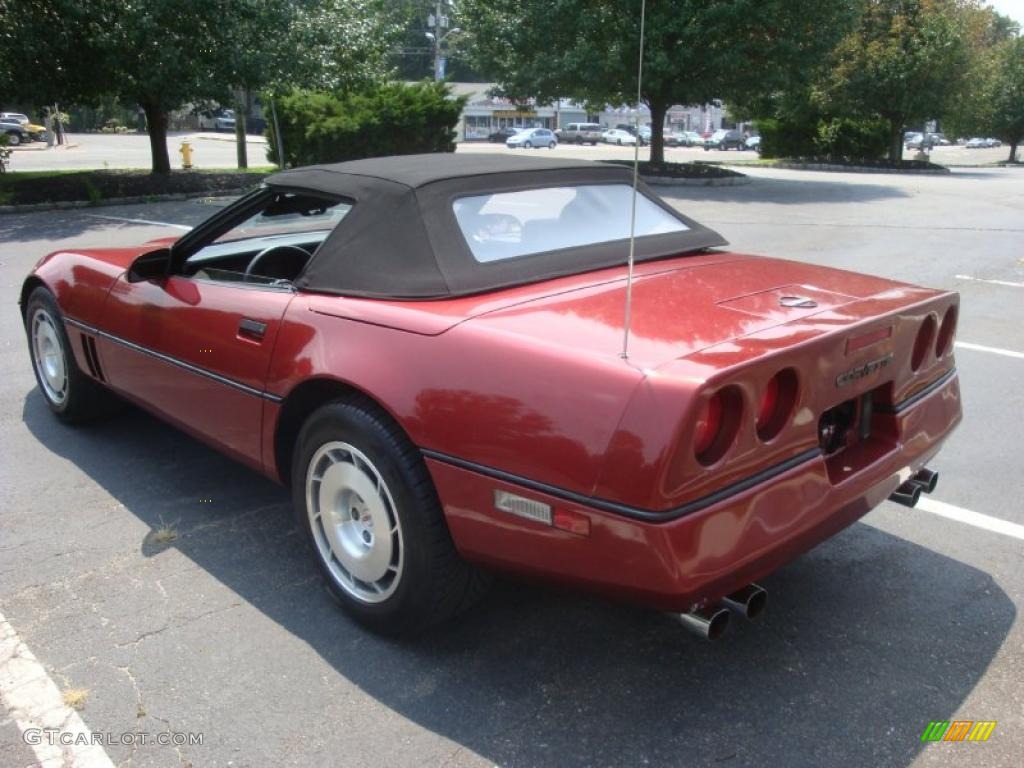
(288, 252)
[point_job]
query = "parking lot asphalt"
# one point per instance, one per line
(905, 618)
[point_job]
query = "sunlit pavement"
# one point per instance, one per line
(905, 618)
(217, 150)
(131, 150)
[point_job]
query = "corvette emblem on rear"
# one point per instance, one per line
(863, 370)
(798, 301)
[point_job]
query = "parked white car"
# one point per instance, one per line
(224, 120)
(20, 117)
(618, 136)
(528, 138)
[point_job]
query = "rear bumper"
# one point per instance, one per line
(701, 556)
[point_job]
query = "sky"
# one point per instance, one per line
(1012, 8)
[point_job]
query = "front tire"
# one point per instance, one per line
(364, 498)
(528, 145)
(72, 396)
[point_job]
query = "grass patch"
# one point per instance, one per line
(860, 162)
(695, 170)
(75, 698)
(27, 187)
(165, 534)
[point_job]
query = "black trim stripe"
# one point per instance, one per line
(902, 405)
(176, 362)
(637, 513)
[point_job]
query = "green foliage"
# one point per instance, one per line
(827, 138)
(786, 138)
(162, 54)
(1006, 116)
(851, 138)
(905, 63)
(695, 50)
(389, 119)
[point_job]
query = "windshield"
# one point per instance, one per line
(290, 214)
(507, 225)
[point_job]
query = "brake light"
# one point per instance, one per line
(945, 341)
(777, 403)
(923, 342)
(718, 421)
(769, 400)
(709, 423)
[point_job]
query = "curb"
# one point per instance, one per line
(69, 204)
(829, 167)
(722, 181)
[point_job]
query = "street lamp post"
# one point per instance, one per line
(438, 21)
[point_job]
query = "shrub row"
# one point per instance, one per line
(390, 119)
(839, 138)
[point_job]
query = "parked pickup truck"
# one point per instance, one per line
(580, 133)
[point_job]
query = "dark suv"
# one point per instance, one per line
(723, 139)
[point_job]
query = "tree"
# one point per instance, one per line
(695, 50)
(1006, 120)
(905, 62)
(164, 54)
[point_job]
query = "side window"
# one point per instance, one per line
(271, 246)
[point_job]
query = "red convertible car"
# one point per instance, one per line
(428, 351)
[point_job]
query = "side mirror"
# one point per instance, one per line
(150, 266)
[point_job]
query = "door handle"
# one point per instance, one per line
(251, 329)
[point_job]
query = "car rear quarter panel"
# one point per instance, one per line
(527, 407)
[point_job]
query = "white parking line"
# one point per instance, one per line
(992, 282)
(993, 350)
(978, 520)
(138, 221)
(34, 702)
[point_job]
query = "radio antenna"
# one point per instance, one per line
(636, 176)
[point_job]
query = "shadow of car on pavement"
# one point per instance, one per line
(866, 639)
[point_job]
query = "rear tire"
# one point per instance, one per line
(364, 498)
(551, 145)
(13, 139)
(72, 396)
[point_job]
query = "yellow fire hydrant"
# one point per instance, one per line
(186, 155)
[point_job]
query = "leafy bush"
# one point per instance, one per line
(839, 137)
(844, 137)
(787, 138)
(389, 119)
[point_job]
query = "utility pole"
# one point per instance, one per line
(438, 22)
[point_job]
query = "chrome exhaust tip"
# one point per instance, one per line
(709, 622)
(907, 494)
(926, 479)
(748, 602)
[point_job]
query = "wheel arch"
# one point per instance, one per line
(31, 283)
(302, 401)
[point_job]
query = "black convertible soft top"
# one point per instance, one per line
(401, 238)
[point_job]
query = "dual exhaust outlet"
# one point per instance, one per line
(711, 621)
(910, 492)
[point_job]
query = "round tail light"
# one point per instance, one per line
(923, 343)
(709, 424)
(945, 341)
(718, 422)
(777, 403)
